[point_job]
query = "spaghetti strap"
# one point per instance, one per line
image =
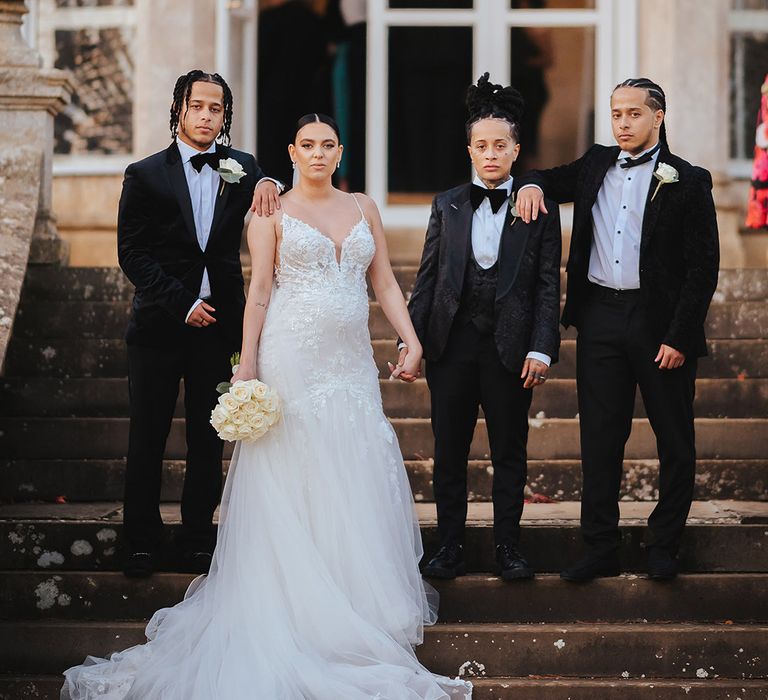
(358, 204)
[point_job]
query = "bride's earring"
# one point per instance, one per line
(338, 165)
(293, 164)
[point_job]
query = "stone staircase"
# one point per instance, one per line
(63, 433)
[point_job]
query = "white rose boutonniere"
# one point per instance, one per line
(230, 171)
(666, 175)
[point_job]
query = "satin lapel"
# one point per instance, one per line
(459, 234)
(221, 195)
(180, 187)
(600, 165)
(651, 211)
(514, 237)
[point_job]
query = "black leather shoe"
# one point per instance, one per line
(593, 566)
(513, 566)
(662, 564)
(198, 562)
(447, 563)
(139, 565)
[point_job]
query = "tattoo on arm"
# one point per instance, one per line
(259, 303)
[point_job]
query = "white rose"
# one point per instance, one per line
(260, 390)
(259, 433)
(228, 402)
(666, 173)
(228, 432)
(219, 416)
(238, 418)
(245, 431)
(250, 407)
(230, 170)
(257, 420)
(241, 392)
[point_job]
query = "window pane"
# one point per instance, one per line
(749, 65)
(430, 4)
(429, 71)
(552, 4)
(100, 117)
(554, 70)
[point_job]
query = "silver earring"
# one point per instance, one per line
(293, 164)
(338, 165)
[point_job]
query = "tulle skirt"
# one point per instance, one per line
(314, 591)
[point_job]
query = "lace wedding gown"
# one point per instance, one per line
(314, 591)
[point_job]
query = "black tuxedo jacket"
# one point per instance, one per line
(159, 252)
(528, 290)
(679, 249)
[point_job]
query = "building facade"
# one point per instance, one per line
(393, 72)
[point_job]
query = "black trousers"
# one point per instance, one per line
(615, 354)
(469, 375)
(201, 358)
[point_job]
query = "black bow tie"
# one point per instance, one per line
(495, 197)
(201, 159)
(634, 162)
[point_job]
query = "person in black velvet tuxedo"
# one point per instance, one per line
(179, 231)
(485, 307)
(642, 270)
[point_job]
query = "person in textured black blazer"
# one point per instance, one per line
(178, 236)
(485, 307)
(642, 270)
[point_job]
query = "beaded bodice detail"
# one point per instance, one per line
(319, 314)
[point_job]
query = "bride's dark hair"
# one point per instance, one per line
(315, 118)
(489, 101)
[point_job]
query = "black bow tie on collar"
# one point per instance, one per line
(495, 197)
(199, 160)
(634, 162)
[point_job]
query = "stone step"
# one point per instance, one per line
(108, 319)
(104, 357)
(549, 438)
(101, 595)
(48, 687)
(83, 480)
(109, 283)
(637, 651)
(722, 536)
(108, 397)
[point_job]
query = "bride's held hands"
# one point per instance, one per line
(243, 374)
(408, 368)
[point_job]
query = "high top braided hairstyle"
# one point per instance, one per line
(489, 101)
(182, 91)
(656, 99)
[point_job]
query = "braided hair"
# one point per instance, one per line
(183, 89)
(485, 100)
(656, 99)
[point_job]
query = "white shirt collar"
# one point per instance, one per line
(187, 151)
(626, 154)
(506, 185)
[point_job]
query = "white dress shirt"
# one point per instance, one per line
(617, 224)
(203, 187)
(487, 228)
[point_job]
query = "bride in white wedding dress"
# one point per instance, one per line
(314, 592)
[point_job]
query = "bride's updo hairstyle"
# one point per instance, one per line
(489, 101)
(314, 118)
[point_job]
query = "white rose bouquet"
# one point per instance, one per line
(246, 410)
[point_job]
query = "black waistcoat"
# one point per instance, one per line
(478, 296)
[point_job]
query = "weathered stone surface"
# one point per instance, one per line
(48, 687)
(100, 595)
(42, 536)
(83, 480)
(19, 194)
(606, 651)
(551, 438)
